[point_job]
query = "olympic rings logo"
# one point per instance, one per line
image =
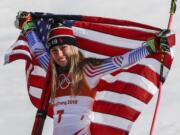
(64, 81)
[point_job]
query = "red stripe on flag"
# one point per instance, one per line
(116, 109)
(125, 88)
(141, 70)
(117, 31)
(117, 22)
(98, 129)
(37, 81)
(172, 40)
(14, 57)
(167, 59)
(96, 47)
(35, 101)
(22, 37)
(22, 47)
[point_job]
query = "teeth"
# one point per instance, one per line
(62, 59)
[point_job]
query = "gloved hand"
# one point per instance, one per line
(24, 21)
(163, 42)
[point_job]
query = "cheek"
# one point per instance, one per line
(54, 57)
(68, 52)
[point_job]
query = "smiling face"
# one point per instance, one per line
(61, 54)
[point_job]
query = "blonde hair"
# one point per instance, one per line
(77, 61)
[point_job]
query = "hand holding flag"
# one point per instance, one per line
(24, 21)
(162, 43)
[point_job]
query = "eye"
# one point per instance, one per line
(63, 47)
(54, 50)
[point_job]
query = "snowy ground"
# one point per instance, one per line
(17, 113)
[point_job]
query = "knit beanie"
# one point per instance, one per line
(60, 34)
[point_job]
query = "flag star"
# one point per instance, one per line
(40, 30)
(43, 38)
(39, 22)
(47, 26)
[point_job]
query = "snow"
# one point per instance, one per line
(17, 113)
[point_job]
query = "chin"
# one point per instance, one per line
(63, 64)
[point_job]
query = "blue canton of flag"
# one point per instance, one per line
(43, 27)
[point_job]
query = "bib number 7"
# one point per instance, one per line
(60, 112)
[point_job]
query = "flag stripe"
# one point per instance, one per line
(28, 68)
(116, 31)
(35, 92)
(112, 121)
(87, 53)
(37, 81)
(38, 71)
(126, 88)
(16, 55)
(117, 22)
(118, 110)
(123, 99)
(96, 47)
(167, 61)
(97, 129)
(133, 79)
(149, 73)
(20, 43)
(108, 39)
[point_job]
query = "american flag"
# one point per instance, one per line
(121, 95)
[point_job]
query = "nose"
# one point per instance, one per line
(59, 52)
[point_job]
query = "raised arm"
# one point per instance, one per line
(151, 46)
(28, 27)
(129, 58)
(161, 43)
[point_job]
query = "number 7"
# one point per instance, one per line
(60, 112)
